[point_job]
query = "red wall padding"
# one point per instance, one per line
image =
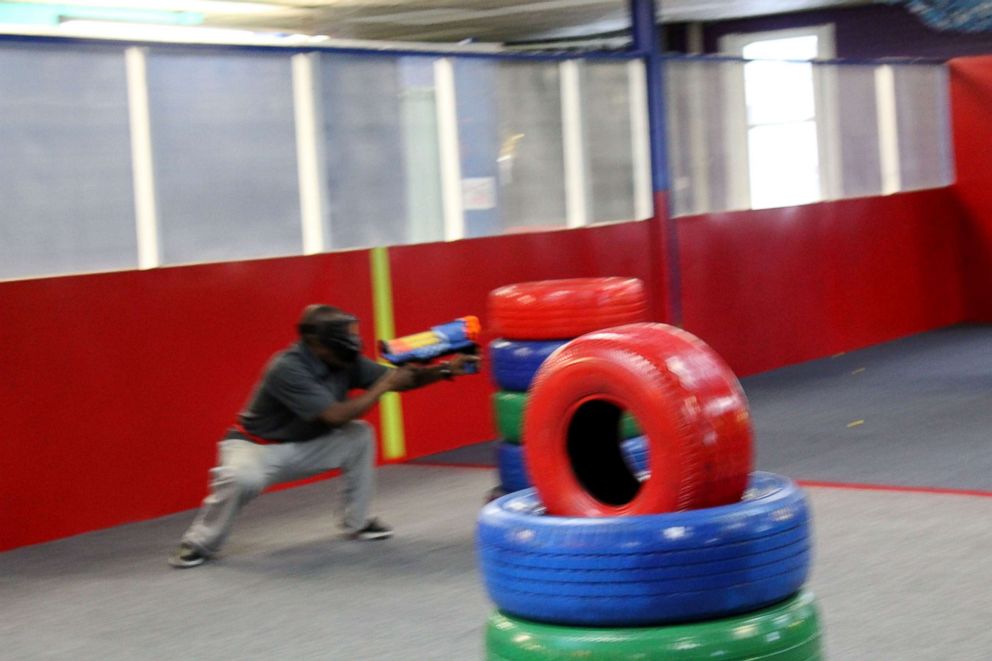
(117, 386)
(778, 286)
(971, 107)
(436, 282)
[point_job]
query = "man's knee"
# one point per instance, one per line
(245, 481)
(361, 436)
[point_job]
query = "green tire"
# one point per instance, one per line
(789, 631)
(628, 426)
(508, 409)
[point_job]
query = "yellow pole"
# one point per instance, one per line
(390, 406)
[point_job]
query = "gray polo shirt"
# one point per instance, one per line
(295, 388)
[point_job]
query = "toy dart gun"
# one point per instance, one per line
(458, 336)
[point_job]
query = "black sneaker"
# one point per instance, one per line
(374, 529)
(186, 556)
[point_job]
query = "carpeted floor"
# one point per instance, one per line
(915, 412)
(900, 576)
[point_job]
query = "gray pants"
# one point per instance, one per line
(245, 469)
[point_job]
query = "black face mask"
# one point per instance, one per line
(347, 351)
(335, 334)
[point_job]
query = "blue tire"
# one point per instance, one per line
(513, 363)
(513, 475)
(646, 570)
(512, 469)
(635, 454)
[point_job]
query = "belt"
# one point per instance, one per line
(251, 437)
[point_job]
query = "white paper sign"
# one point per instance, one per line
(479, 193)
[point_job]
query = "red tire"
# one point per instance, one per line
(563, 309)
(689, 405)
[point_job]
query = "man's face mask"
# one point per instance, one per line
(338, 335)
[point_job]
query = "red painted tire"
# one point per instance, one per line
(689, 405)
(563, 309)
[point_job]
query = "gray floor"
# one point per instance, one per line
(899, 575)
(914, 412)
(286, 587)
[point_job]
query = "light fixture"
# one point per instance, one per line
(197, 6)
(152, 32)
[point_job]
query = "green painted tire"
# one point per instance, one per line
(628, 426)
(789, 631)
(508, 409)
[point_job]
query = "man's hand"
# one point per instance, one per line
(398, 379)
(464, 364)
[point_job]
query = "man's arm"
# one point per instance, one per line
(424, 376)
(339, 413)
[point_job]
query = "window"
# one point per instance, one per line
(65, 170)
(866, 129)
(225, 155)
(781, 118)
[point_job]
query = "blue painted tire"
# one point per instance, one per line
(513, 363)
(635, 454)
(650, 569)
(512, 469)
(513, 475)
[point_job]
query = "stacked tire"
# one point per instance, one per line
(699, 558)
(531, 321)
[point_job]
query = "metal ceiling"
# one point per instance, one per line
(448, 20)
